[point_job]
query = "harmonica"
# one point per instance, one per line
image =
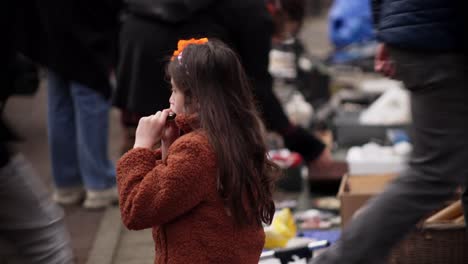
(171, 117)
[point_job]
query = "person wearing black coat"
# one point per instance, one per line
(77, 44)
(424, 45)
(150, 33)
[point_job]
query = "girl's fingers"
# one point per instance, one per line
(164, 115)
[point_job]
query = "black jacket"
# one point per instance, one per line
(422, 25)
(77, 39)
(172, 11)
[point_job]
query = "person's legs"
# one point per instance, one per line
(29, 220)
(62, 141)
(97, 171)
(437, 165)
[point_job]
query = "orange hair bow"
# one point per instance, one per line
(183, 43)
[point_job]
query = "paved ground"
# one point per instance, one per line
(97, 236)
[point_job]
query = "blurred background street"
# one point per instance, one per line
(28, 115)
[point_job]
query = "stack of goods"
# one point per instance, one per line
(283, 242)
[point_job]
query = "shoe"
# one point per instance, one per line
(69, 195)
(101, 198)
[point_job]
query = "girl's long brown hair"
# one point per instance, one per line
(212, 78)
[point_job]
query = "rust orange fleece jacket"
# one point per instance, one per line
(178, 198)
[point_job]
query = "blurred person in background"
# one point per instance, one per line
(31, 224)
(423, 44)
(150, 33)
(288, 16)
(78, 48)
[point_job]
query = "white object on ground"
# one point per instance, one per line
(379, 85)
(391, 108)
(299, 110)
(372, 158)
(282, 64)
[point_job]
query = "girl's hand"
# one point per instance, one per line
(150, 129)
(170, 134)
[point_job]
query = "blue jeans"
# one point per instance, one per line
(78, 135)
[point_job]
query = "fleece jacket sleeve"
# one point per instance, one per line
(152, 192)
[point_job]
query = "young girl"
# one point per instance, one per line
(208, 189)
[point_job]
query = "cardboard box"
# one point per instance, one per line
(355, 190)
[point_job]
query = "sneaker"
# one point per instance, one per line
(69, 195)
(101, 199)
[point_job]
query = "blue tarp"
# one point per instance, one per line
(332, 235)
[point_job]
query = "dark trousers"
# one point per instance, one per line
(32, 227)
(439, 101)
